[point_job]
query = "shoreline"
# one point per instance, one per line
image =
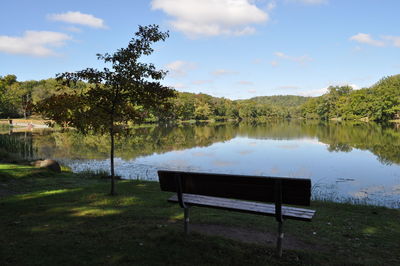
(24, 123)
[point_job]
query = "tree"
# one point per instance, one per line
(6, 98)
(202, 111)
(2, 96)
(126, 92)
(23, 94)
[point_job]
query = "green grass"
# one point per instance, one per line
(68, 219)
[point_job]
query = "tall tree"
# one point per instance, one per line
(125, 92)
(6, 99)
(23, 93)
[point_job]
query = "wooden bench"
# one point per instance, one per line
(249, 194)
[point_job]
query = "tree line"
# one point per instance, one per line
(380, 102)
(18, 99)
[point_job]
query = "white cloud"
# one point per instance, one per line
(367, 39)
(271, 6)
(180, 68)
(280, 54)
(223, 72)
(252, 91)
(354, 86)
(394, 40)
(274, 63)
(245, 82)
(212, 17)
(34, 43)
(299, 59)
(76, 17)
(201, 82)
(73, 29)
(386, 40)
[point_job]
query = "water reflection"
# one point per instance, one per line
(359, 160)
(17, 145)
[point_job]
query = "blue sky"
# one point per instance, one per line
(226, 48)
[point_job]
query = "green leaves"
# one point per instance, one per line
(113, 94)
(381, 102)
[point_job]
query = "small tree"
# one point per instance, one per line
(124, 93)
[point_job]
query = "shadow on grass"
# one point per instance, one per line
(86, 226)
(18, 179)
(83, 225)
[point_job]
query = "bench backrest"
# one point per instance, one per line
(296, 191)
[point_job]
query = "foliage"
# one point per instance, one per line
(186, 106)
(126, 92)
(281, 100)
(381, 102)
(7, 84)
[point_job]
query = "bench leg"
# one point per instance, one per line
(186, 220)
(280, 240)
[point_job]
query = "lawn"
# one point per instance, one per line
(69, 219)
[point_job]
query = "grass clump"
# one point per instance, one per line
(66, 219)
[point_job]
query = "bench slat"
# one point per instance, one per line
(295, 191)
(245, 206)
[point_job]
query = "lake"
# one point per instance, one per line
(356, 162)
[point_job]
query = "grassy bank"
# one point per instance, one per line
(68, 219)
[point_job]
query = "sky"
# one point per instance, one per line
(235, 49)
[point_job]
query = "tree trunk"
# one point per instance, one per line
(112, 162)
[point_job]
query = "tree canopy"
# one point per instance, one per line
(126, 92)
(379, 102)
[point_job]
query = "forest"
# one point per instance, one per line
(380, 102)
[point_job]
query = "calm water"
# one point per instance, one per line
(345, 161)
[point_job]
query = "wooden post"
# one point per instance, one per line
(280, 239)
(278, 216)
(186, 220)
(179, 192)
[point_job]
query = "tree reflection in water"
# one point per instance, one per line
(381, 140)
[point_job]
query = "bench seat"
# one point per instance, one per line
(244, 206)
(240, 193)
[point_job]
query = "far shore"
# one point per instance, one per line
(38, 123)
(25, 123)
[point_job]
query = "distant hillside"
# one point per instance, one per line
(281, 100)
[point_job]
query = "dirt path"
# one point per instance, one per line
(252, 236)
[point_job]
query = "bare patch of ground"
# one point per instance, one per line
(252, 236)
